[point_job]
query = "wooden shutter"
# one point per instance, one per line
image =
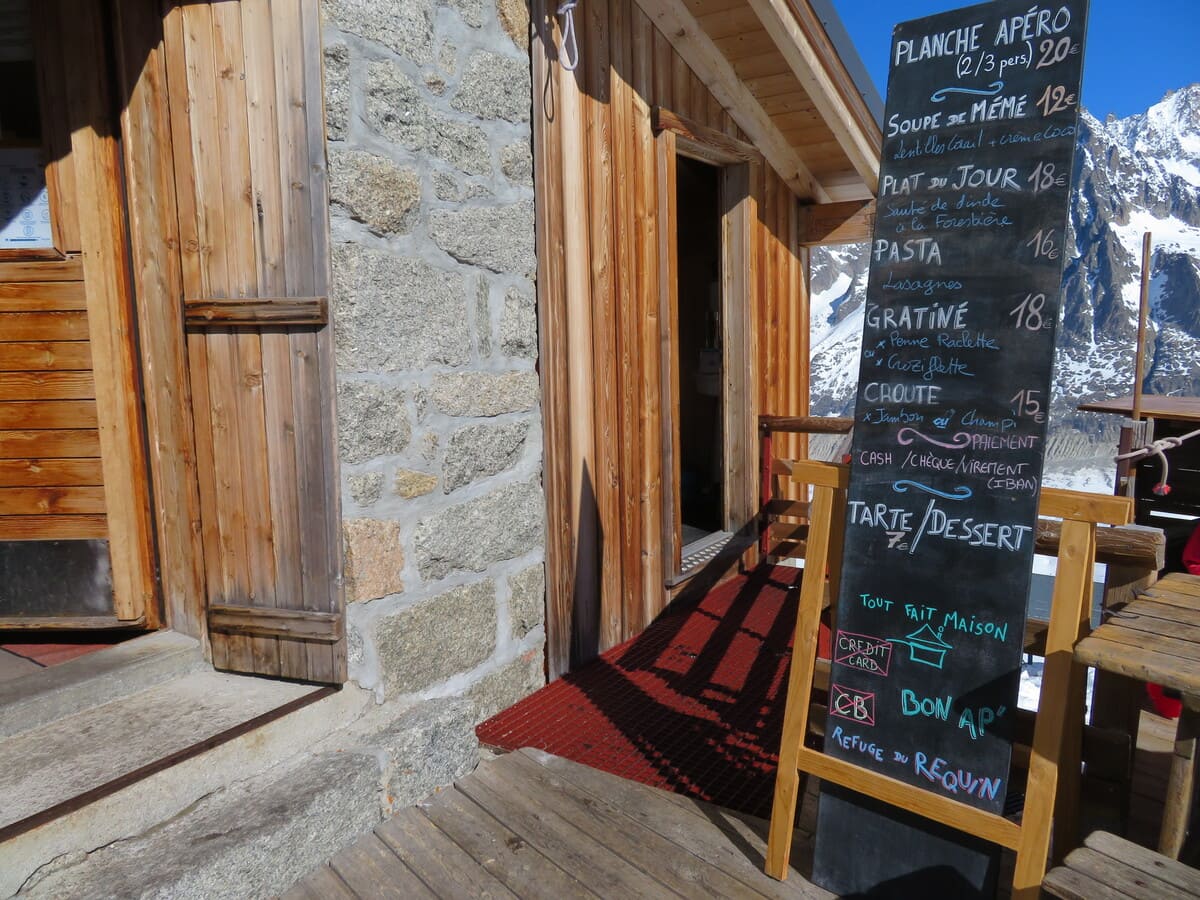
(248, 141)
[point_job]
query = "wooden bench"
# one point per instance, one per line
(1156, 637)
(1107, 867)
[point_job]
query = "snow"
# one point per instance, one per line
(1096, 476)
(1167, 234)
(1030, 691)
(822, 302)
(1186, 170)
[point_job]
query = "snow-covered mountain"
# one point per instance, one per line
(1132, 176)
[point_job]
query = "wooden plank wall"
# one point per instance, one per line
(72, 448)
(246, 124)
(51, 485)
(605, 169)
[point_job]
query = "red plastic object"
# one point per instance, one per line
(1167, 707)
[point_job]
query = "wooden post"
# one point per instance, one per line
(646, 227)
(1183, 774)
(112, 325)
(586, 599)
(552, 351)
(1143, 310)
(1072, 584)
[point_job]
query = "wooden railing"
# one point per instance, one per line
(778, 538)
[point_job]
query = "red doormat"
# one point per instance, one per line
(37, 649)
(694, 704)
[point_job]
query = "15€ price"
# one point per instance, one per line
(1025, 402)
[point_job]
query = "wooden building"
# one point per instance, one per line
(364, 343)
(167, 413)
(683, 169)
(167, 379)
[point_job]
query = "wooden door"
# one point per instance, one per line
(247, 135)
(75, 535)
(729, 421)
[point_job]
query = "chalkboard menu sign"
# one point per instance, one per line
(962, 304)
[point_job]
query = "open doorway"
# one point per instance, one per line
(699, 360)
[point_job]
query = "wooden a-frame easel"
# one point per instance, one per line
(1057, 732)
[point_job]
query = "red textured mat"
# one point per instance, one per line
(693, 704)
(46, 654)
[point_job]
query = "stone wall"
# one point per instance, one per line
(440, 436)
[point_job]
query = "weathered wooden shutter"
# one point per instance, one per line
(249, 153)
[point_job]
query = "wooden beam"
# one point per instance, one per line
(708, 144)
(628, 319)
(1124, 545)
(552, 352)
(69, 623)
(696, 48)
(53, 528)
(157, 280)
(646, 229)
(69, 269)
(598, 214)
(112, 325)
(256, 311)
(1080, 505)
(740, 363)
(836, 100)
(848, 222)
(585, 601)
(304, 624)
(806, 424)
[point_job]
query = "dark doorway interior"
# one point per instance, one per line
(699, 359)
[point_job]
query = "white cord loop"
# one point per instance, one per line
(568, 56)
(1158, 448)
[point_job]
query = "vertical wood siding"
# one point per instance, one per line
(627, 67)
(157, 279)
(247, 131)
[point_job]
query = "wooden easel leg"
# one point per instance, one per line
(1066, 805)
(799, 687)
(1180, 785)
(1072, 594)
(837, 535)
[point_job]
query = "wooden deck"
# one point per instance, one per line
(532, 825)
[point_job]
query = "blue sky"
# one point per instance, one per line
(1136, 51)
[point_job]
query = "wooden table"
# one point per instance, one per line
(1156, 638)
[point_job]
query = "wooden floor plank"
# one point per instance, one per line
(371, 869)
(439, 862)
(1147, 861)
(724, 838)
(558, 840)
(501, 851)
(323, 884)
(1071, 885)
(660, 858)
(1120, 876)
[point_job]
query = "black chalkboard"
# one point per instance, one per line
(962, 304)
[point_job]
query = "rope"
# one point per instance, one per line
(569, 56)
(1158, 448)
